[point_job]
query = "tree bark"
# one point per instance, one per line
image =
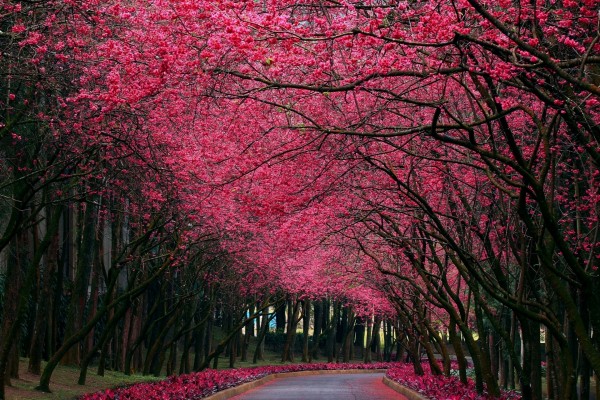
(318, 317)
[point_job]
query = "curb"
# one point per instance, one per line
(244, 387)
(403, 390)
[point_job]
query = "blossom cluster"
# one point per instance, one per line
(203, 384)
(439, 387)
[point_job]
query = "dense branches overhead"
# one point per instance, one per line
(399, 156)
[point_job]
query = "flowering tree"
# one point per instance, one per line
(431, 161)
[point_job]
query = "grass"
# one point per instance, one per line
(64, 379)
(64, 383)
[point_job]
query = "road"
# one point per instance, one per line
(367, 386)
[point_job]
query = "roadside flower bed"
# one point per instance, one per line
(200, 385)
(203, 384)
(439, 387)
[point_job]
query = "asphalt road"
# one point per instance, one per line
(331, 387)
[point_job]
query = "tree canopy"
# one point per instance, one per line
(431, 162)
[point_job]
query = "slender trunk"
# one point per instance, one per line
(131, 294)
(86, 256)
(280, 321)
(184, 365)
(458, 351)
(369, 341)
(293, 319)
(17, 296)
(305, 330)
(41, 326)
(153, 362)
(318, 316)
(233, 346)
(359, 330)
(248, 332)
(349, 337)
(106, 335)
(199, 339)
(332, 332)
(264, 328)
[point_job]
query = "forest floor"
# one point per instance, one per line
(64, 383)
(64, 380)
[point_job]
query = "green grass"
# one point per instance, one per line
(64, 383)
(64, 379)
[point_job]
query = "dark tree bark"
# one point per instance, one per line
(86, 256)
(41, 325)
(292, 325)
(306, 305)
(318, 314)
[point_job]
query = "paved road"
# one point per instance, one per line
(331, 387)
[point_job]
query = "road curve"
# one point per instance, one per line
(368, 386)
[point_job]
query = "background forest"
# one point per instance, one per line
(176, 176)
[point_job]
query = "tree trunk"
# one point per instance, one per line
(107, 333)
(41, 325)
(305, 330)
(280, 321)
(86, 256)
(359, 338)
(17, 294)
(264, 328)
(349, 337)
(369, 341)
(342, 329)
(292, 325)
(458, 351)
(332, 332)
(318, 317)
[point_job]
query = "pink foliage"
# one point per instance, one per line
(440, 387)
(203, 384)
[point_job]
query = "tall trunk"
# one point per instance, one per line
(248, 332)
(94, 293)
(458, 351)
(21, 279)
(86, 255)
(129, 294)
(341, 333)
(292, 325)
(359, 339)
(584, 365)
(264, 327)
(318, 327)
(10, 320)
(260, 340)
(305, 330)
(107, 333)
(233, 346)
(184, 365)
(332, 331)
(154, 357)
(367, 350)
(280, 321)
(483, 350)
(387, 340)
(199, 339)
(349, 337)
(376, 338)
(41, 325)
(172, 361)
